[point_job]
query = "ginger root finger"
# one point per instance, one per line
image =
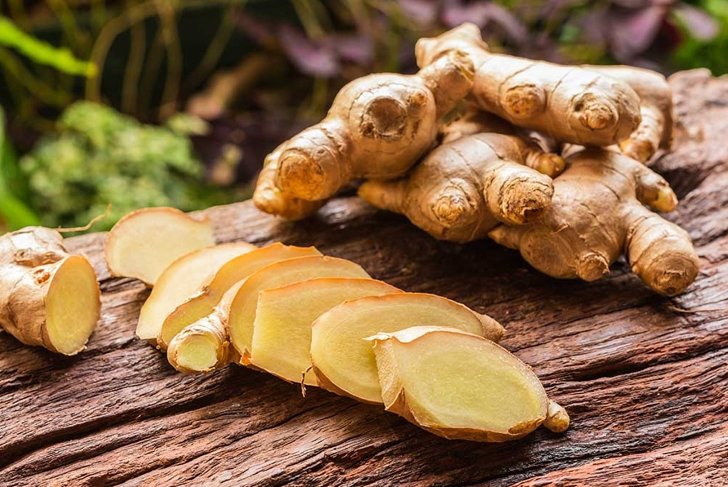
(569, 103)
(596, 214)
(464, 188)
(201, 347)
(655, 130)
(268, 198)
(343, 360)
(144, 242)
(461, 386)
(48, 298)
(377, 127)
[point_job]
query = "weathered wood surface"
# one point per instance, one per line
(643, 377)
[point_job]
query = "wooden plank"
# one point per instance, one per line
(642, 376)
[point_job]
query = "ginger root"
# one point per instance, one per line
(596, 214)
(569, 103)
(464, 188)
(377, 127)
(461, 386)
(655, 130)
(145, 242)
(343, 361)
(48, 298)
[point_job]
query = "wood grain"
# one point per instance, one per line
(643, 377)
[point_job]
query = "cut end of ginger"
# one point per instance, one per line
(242, 310)
(461, 386)
(343, 359)
(72, 306)
(145, 242)
(184, 278)
(232, 272)
(284, 316)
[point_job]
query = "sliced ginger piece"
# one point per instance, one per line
(236, 269)
(282, 331)
(343, 361)
(145, 242)
(48, 298)
(242, 308)
(462, 386)
(182, 279)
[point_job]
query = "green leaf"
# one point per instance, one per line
(13, 211)
(43, 53)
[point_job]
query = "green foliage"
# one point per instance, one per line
(101, 157)
(14, 213)
(42, 53)
(713, 53)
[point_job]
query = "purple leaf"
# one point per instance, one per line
(483, 13)
(309, 56)
(632, 32)
(355, 49)
(698, 22)
(421, 12)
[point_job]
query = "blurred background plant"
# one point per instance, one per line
(244, 75)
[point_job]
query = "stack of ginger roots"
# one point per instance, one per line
(543, 158)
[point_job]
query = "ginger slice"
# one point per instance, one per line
(145, 242)
(462, 386)
(282, 331)
(242, 308)
(236, 269)
(182, 279)
(48, 298)
(343, 361)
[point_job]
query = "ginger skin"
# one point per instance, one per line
(596, 214)
(655, 130)
(464, 188)
(378, 127)
(569, 103)
(41, 286)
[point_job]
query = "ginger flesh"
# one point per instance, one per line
(343, 361)
(461, 386)
(182, 279)
(464, 188)
(284, 316)
(242, 310)
(236, 269)
(569, 103)
(48, 298)
(597, 214)
(145, 242)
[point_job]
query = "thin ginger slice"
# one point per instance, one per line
(343, 361)
(182, 279)
(242, 308)
(202, 304)
(284, 316)
(462, 386)
(145, 242)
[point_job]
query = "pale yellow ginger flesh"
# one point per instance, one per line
(183, 278)
(48, 298)
(200, 347)
(242, 308)
(600, 211)
(569, 103)
(282, 331)
(145, 242)
(461, 386)
(464, 188)
(236, 269)
(377, 127)
(343, 360)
